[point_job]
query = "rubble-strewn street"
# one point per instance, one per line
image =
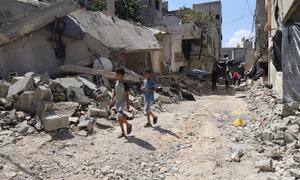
(149, 90)
(193, 143)
(198, 142)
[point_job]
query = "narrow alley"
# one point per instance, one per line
(150, 89)
(187, 143)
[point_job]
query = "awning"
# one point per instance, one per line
(115, 33)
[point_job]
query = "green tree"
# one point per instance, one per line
(128, 9)
(96, 5)
(187, 15)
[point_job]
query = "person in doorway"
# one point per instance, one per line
(214, 78)
(120, 97)
(148, 87)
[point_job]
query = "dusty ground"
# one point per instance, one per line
(189, 142)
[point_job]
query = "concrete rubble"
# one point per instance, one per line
(34, 103)
(275, 127)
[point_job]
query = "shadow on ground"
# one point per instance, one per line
(165, 131)
(61, 135)
(140, 142)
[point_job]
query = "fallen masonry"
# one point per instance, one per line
(34, 103)
(277, 132)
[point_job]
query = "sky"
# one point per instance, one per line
(237, 18)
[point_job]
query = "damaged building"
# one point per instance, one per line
(282, 26)
(65, 34)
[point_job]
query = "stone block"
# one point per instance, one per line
(53, 122)
(73, 120)
(161, 98)
(24, 84)
(285, 110)
(99, 113)
(76, 94)
(103, 123)
(86, 122)
(33, 101)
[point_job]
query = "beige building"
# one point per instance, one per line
(214, 34)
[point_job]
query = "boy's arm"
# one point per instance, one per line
(127, 100)
(127, 95)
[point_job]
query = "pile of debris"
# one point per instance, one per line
(35, 103)
(277, 131)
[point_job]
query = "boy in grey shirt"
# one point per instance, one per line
(121, 98)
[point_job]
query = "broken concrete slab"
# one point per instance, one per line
(76, 94)
(24, 129)
(86, 122)
(31, 101)
(103, 123)
(68, 82)
(82, 133)
(24, 84)
(162, 98)
(87, 83)
(285, 110)
(53, 122)
(65, 108)
(73, 120)
(99, 113)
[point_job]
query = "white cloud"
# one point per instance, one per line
(237, 38)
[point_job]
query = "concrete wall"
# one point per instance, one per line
(275, 78)
(151, 16)
(35, 52)
(249, 59)
(171, 20)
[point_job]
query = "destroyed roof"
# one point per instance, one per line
(116, 33)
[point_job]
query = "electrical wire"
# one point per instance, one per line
(248, 5)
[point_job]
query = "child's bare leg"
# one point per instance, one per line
(128, 125)
(148, 117)
(122, 127)
(152, 114)
(154, 117)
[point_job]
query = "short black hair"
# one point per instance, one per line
(147, 71)
(120, 71)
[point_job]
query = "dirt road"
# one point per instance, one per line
(191, 141)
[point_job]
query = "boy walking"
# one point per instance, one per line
(148, 88)
(121, 97)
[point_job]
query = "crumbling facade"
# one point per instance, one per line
(69, 40)
(281, 18)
